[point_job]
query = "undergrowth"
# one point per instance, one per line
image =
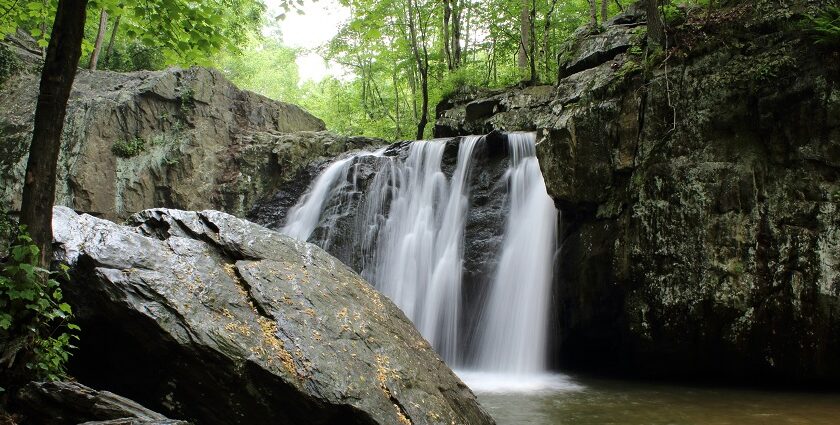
(36, 331)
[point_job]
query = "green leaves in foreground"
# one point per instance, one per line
(35, 325)
(826, 26)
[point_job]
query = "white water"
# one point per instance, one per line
(513, 335)
(410, 231)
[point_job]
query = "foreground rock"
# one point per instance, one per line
(700, 201)
(71, 403)
(198, 142)
(217, 320)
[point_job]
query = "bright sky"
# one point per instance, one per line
(318, 25)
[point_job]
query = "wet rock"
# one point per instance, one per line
(220, 321)
(699, 202)
(71, 403)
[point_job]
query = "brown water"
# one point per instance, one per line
(607, 402)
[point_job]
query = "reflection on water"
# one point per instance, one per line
(602, 402)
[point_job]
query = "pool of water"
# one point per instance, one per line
(565, 400)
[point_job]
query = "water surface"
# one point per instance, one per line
(586, 401)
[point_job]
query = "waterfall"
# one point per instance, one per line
(421, 246)
(514, 334)
(408, 233)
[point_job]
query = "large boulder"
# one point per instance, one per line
(210, 318)
(699, 196)
(190, 139)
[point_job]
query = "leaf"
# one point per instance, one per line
(65, 308)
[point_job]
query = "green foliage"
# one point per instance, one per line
(826, 26)
(134, 56)
(265, 67)
(187, 97)
(151, 34)
(129, 148)
(9, 64)
(33, 16)
(35, 323)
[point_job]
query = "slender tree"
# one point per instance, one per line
(524, 34)
(457, 14)
(100, 36)
(593, 13)
(447, 42)
(532, 41)
(656, 28)
(605, 13)
(111, 40)
(62, 58)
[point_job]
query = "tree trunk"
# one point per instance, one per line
(422, 62)
(547, 36)
(524, 32)
(457, 14)
(424, 114)
(532, 41)
(447, 42)
(100, 35)
(396, 82)
(59, 71)
(656, 28)
(593, 14)
(605, 13)
(111, 41)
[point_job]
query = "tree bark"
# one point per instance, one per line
(457, 14)
(605, 13)
(447, 42)
(59, 71)
(424, 114)
(532, 42)
(524, 33)
(593, 14)
(100, 36)
(547, 35)
(415, 25)
(656, 28)
(111, 41)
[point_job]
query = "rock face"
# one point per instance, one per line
(700, 206)
(202, 143)
(210, 318)
(71, 403)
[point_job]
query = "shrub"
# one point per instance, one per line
(129, 148)
(35, 328)
(9, 64)
(826, 26)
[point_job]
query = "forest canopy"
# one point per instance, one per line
(401, 56)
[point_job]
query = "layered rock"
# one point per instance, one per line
(210, 318)
(190, 139)
(699, 195)
(71, 403)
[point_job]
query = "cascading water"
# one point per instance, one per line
(513, 334)
(421, 246)
(410, 228)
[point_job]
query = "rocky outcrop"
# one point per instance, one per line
(71, 403)
(180, 138)
(699, 195)
(210, 318)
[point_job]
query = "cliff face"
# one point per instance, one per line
(186, 139)
(700, 196)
